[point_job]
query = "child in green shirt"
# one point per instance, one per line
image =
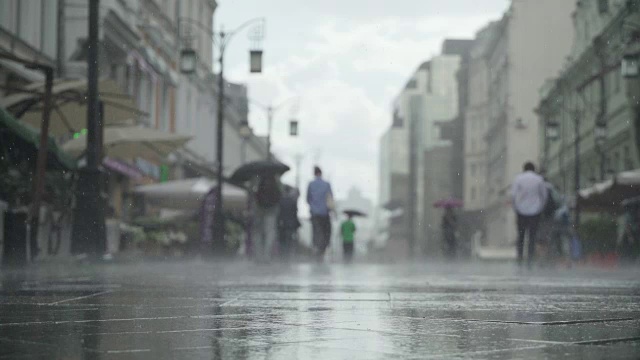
(348, 230)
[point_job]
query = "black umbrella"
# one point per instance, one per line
(355, 213)
(250, 170)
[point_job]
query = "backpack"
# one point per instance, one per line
(268, 194)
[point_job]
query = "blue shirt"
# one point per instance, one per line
(317, 194)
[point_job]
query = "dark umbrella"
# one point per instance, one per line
(448, 203)
(355, 213)
(250, 170)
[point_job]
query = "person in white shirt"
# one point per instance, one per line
(528, 197)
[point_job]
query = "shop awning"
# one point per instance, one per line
(22, 140)
(69, 113)
(128, 142)
(189, 194)
(608, 196)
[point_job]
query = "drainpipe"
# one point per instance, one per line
(61, 32)
(601, 147)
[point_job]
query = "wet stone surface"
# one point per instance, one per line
(199, 310)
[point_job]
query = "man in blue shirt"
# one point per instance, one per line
(320, 200)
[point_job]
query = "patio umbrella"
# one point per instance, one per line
(448, 203)
(189, 193)
(250, 170)
(21, 142)
(69, 113)
(127, 142)
(607, 196)
(354, 213)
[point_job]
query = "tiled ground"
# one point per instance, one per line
(240, 310)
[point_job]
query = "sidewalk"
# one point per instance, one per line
(240, 310)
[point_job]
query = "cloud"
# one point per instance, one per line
(347, 74)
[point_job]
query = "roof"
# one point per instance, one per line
(460, 47)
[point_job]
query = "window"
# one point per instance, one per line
(8, 10)
(164, 115)
(473, 193)
(603, 6)
(617, 78)
(616, 162)
(473, 170)
(49, 27)
(30, 22)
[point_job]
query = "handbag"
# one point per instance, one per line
(331, 204)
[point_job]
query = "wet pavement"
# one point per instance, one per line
(199, 310)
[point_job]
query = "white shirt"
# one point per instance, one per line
(529, 193)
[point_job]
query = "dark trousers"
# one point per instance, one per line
(321, 232)
(527, 224)
(287, 241)
(348, 251)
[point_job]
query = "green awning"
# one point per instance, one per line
(16, 133)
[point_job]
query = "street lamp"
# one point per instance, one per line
(221, 40)
(293, 127)
(255, 61)
(629, 67)
(245, 129)
(188, 61)
(271, 110)
(552, 130)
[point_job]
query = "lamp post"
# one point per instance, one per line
(88, 235)
(188, 64)
(271, 110)
(552, 133)
(576, 178)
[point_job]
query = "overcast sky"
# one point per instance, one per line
(347, 60)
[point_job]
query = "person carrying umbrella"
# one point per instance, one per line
(288, 222)
(266, 198)
(449, 226)
(348, 230)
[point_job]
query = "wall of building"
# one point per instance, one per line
(524, 53)
(595, 68)
(476, 120)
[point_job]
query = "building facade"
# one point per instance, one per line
(139, 49)
(476, 119)
(529, 45)
(589, 104)
(393, 184)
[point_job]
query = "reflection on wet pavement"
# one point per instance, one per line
(244, 311)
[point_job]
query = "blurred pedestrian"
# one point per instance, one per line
(288, 222)
(267, 198)
(348, 231)
(320, 200)
(548, 227)
(449, 228)
(528, 197)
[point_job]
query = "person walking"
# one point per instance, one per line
(348, 230)
(267, 198)
(320, 200)
(288, 222)
(528, 198)
(449, 228)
